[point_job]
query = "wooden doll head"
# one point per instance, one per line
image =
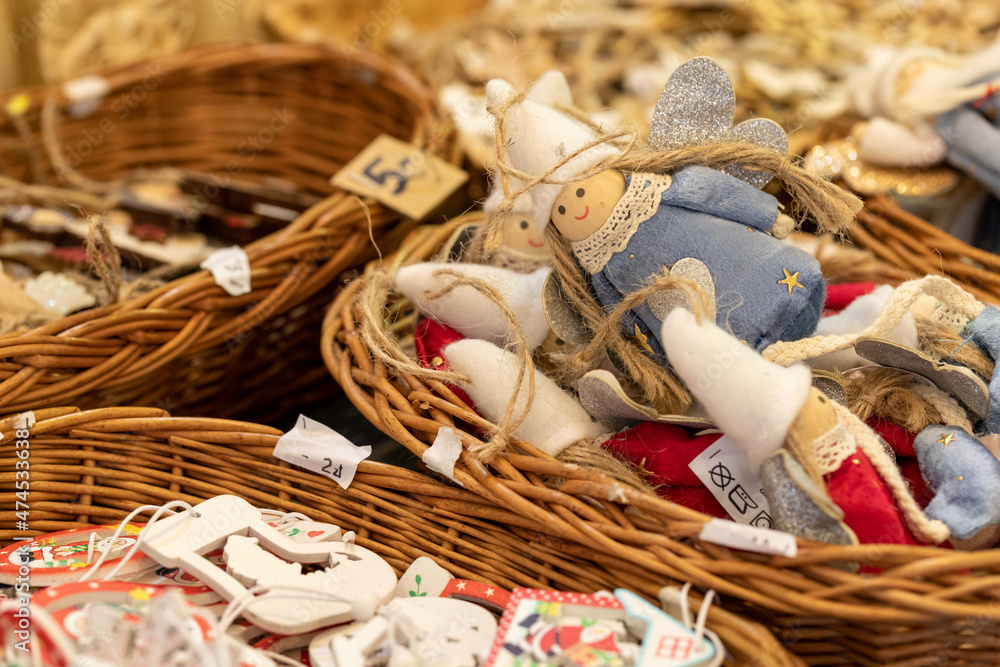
(583, 207)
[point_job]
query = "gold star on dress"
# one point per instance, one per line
(640, 339)
(792, 280)
(947, 439)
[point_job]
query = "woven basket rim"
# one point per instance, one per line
(384, 504)
(923, 585)
(287, 266)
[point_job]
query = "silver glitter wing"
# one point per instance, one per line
(763, 132)
(697, 107)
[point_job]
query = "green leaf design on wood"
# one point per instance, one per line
(417, 593)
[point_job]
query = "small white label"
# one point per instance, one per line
(319, 448)
(24, 420)
(231, 269)
(441, 456)
(749, 538)
(85, 94)
(723, 468)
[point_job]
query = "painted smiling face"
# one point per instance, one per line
(583, 207)
(521, 237)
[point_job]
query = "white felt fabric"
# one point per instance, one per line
(524, 205)
(784, 83)
(551, 89)
(853, 320)
(555, 420)
(892, 144)
(475, 125)
(752, 400)
(472, 313)
(948, 72)
(473, 122)
(538, 137)
(872, 85)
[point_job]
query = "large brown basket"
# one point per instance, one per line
(927, 606)
(188, 346)
(97, 466)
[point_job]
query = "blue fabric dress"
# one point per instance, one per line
(973, 138)
(766, 290)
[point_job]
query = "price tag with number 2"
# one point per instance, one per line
(319, 448)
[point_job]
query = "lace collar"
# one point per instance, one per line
(637, 205)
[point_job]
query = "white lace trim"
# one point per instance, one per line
(639, 203)
(950, 317)
(505, 258)
(833, 448)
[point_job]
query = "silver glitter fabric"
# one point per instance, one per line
(665, 301)
(763, 132)
(830, 385)
(603, 397)
(952, 379)
(697, 107)
(564, 320)
(798, 506)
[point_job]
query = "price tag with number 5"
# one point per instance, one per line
(401, 176)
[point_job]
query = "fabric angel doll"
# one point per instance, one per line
(627, 230)
(924, 106)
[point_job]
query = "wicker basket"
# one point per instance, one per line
(916, 247)
(97, 466)
(188, 346)
(928, 606)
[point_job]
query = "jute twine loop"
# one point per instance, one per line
(509, 422)
(74, 191)
(50, 139)
(384, 346)
(786, 353)
(105, 259)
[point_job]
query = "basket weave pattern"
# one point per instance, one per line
(927, 606)
(213, 110)
(96, 466)
(914, 247)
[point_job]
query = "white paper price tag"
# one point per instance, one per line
(441, 456)
(85, 94)
(748, 538)
(319, 448)
(24, 420)
(401, 176)
(231, 269)
(723, 468)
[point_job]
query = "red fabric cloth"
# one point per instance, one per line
(898, 437)
(918, 487)
(869, 508)
(430, 338)
(662, 449)
(841, 295)
(901, 442)
(665, 451)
